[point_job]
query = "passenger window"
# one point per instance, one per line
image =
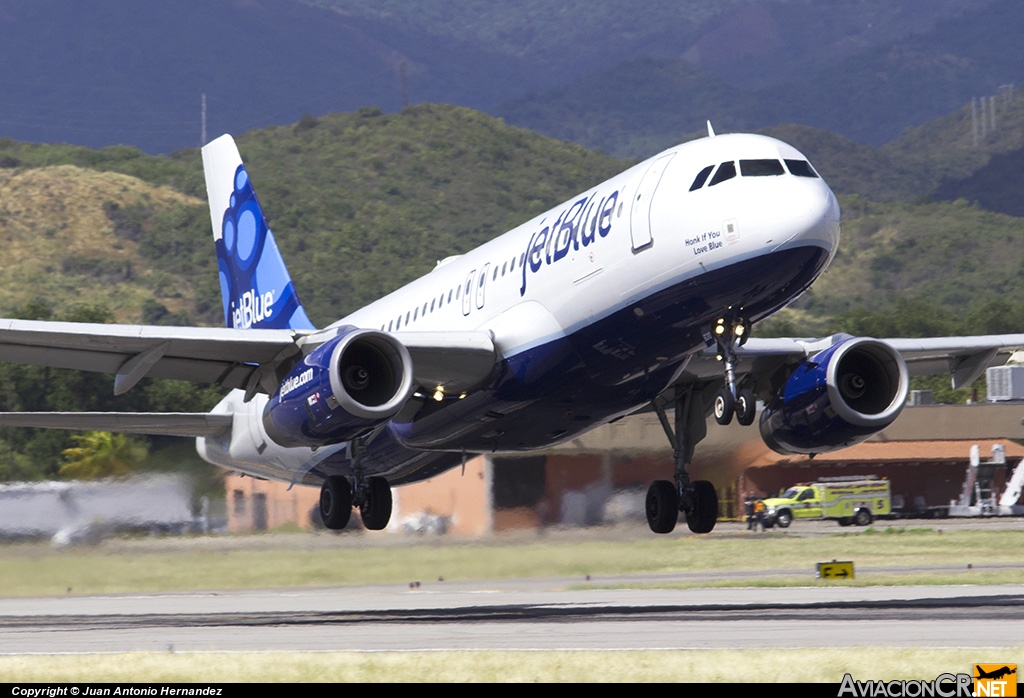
(727, 170)
(761, 168)
(801, 168)
(702, 177)
(432, 302)
(398, 325)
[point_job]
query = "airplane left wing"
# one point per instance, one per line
(964, 358)
(821, 395)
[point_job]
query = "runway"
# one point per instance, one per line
(517, 615)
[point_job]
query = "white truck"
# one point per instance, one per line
(848, 500)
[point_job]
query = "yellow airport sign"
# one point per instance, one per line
(835, 570)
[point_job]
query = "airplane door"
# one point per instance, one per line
(467, 290)
(640, 211)
(481, 284)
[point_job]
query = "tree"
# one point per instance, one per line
(101, 454)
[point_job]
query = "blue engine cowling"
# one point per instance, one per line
(838, 398)
(342, 389)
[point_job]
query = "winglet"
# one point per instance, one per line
(256, 289)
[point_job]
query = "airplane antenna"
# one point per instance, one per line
(405, 84)
(974, 120)
(711, 130)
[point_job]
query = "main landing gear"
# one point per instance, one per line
(371, 494)
(732, 400)
(698, 499)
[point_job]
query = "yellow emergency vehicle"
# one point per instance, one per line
(848, 500)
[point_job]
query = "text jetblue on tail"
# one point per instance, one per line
(256, 289)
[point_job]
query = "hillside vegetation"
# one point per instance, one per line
(64, 229)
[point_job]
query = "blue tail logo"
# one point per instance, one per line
(256, 289)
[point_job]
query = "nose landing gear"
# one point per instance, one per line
(731, 399)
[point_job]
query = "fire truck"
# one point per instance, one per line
(848, 500)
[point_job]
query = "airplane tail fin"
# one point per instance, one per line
(256, 289)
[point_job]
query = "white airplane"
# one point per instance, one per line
(638, 293)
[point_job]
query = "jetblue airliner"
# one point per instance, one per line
(639, 293)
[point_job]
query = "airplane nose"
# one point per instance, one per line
(807, 214)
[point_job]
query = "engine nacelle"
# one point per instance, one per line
(838, 398)
(342, 389)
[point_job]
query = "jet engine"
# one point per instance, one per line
(341, 390)
(838, 398)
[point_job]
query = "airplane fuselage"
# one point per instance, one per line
(593, 306)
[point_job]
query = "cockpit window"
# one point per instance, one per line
(727, 170)
(801, 168)
(702, 177)
(761, 168)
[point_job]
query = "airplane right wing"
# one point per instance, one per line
(192, 424)
(244, 359)
(225, 356)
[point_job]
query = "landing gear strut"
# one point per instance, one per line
(371, 494)
(697, 499)
(731, 400)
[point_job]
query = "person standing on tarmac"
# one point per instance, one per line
(759, 511)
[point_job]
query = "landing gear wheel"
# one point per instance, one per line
(662, 506)
(701, 519)
(862, 517)
(845, 521)
(783, 519)
(335, 502)
(725, 405)
(376, 510)
(746, 407)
